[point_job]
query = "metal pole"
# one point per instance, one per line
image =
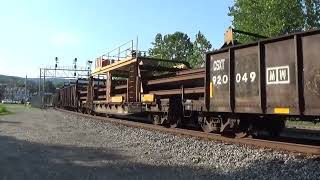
(39, 83)
(137, 44)
(44, 88)
(132, 45)
(44, 81)
(25, 90)
(118, 53)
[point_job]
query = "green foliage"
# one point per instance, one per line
(158, 50)
(200, 46)
(3, 109)
(32, 83)
(312, 14)
(267, 17)
(13, 81)
(172, 46)
(32, 86)
(178, 46)
(59, 85)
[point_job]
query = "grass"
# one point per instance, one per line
(303, 125)
(3, 110)
(6, 109)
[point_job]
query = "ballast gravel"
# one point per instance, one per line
(48, 144)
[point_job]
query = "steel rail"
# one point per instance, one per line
(185, 77)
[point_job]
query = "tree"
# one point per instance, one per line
(200, 46)
(178, 46)
(274, 17)
(32, 86)
(312, 14)
(267, 17)
(157, 50)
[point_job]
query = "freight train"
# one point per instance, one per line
(243, 88)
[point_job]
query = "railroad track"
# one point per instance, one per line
(282, 145)
(303, 133)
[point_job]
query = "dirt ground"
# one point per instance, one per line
(44, 144)
(48, 144)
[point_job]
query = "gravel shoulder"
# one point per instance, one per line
(48, 144)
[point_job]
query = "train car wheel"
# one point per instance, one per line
(90, 111)
(155, 119)
(241, 134)
(207, 125)
(277, 128)
(243, 128)
(164, 119)
(175, 122)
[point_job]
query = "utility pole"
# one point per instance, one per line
(44, 88)
(137, 43)
(25, 91)
(39, 83)
(44, 82)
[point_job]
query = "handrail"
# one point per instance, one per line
(120, 46)
(118, 50)
(121, 52)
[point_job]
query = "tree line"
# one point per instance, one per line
(265, 17)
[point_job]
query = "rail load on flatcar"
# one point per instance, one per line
(139, 84)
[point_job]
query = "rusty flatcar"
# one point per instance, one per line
(70, 95)
(139, 84)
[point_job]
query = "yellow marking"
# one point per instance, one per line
(211, 90)
(181, 66)
(281, 110)
(97, 69)
(117, 99)
(147, 97)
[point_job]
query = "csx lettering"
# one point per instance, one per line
(218, 65)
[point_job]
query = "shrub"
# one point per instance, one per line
(2, 109)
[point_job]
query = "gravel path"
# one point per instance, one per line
(47, 144)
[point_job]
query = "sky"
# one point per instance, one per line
(34, 32)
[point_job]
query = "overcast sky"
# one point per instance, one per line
(33, 32)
